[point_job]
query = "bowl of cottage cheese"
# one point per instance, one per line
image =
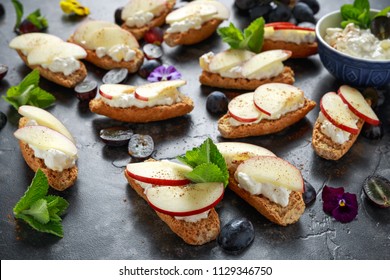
(353, 55)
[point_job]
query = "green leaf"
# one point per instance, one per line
(31, 79)
(56, 202)
(384, 12)
(349, 12)
(52, 227)
(38, 211)
(231, 35)
(206, 172)
(362, 5)
(346, 22)
(41, 98)
(254, 34)
(37, 190)
(38, 20)
(365, 19)
(19, 12)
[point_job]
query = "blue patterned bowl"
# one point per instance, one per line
(350, 70)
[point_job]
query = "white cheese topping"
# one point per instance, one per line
(358, 42)
(66, 65)
(297, 37)
(117, 53)
(140, 18)
(194, 22)
(337, 135)
(54, 159)
(193, 218)
(276, 194)
(272, 70)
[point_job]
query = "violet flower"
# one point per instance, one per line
(341, 205)
(163, 73)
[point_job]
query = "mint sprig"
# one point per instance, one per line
(41, 211)
(251, 38)
(39, 21)
(207, 162)
(29, 92)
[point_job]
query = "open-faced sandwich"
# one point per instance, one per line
(150, 102)
(270, 109)
(186, 207)
(108, 46)
(56, 60)
(301, 41)
(141, 15)
(340, 121)
(194, 22)
(270, 184)
(46, 144)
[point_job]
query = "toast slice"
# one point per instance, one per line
(197, 233)
(298, 50)
(326, 148)
(216, 80)
(192, 36)
(142, 115)
(108, 63)
(139, 32)
(57, 180)
(69, 81)
(264, 127)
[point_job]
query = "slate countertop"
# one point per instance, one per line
(106, 219)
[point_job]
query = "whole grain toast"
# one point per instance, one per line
(57, 180)
(69, 81)
(108, 63)
(326, 148)
(139, 32)
(142, 115)
(264, 127)
(197, 233)
(298, 50)
(216, 80)
(192, 36)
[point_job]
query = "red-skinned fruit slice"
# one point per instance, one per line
(189, 200)
(243, 109)
(335, 110)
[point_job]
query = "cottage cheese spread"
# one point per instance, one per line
(194, 22)
(276, 194)
(358, 42)
(337, 135)
(117, 53)
(139, 19)
(54, 159)
(297, 37)
(129, 100)
(66, 65)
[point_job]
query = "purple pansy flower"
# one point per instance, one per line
(163, 73)
(339, 204)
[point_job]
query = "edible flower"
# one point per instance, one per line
(73, 6)
(163, 73)
(340, 205)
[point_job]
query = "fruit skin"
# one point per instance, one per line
(245, 4)
(377, 190)
(2, 11)
(118, 16)
(155, 35)
(260, 11)
(147, 67)
(152, 51)
(27, 26)
(243, 109)
(116, 136)
(302, 12)
(115, 76)
(86, 90)
(141, 146)
(313, 4)
(280, 13)
(3, 71)
(217, 102)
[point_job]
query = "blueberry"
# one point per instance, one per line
(280, 13)
(245, 4)
(148, 67)
(310, 194)
(236, 235)
(115, 76)
(373, 132)
(377, 190)
(3, 120)
(141, 146)
(259, 11)
(116, 136)
(302, 12)
(217, 102)
(313, 4)
(118, 16)
(86, 90)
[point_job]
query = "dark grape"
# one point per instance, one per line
(302, 12)
(313, 4)
(116, 136)
(285, 2)
(236, 235)
(373, 132)
(245, 4)
(280, 13)
(310, 194)
(86, 90)
(3, 120)
(152, 51)
(118, 16)
(3, 71)
(141, 146)
(217, 102)
(377, 190)
(155, 35)
(260, 11)
(147, 68)
(115, 76)
(2, 11)
(27, 26)
(380, 27)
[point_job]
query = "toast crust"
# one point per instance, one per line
(264, 127)
(142, 115)
(197, 233)
(192, 36)
(108, 63)
(326, 148)
(298, 50)
(139, 32)
(69, 81)
(57, 180)
(216, 80)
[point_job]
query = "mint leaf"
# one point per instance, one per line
(362, 5)
(206, 172)
(41, 98)
(254, 34)
(348, 11)
(31, 79)
(52, 227)
(19, 12)
(231, 35)
(56, 204)
(384, 12)
(38, 211)
(39, 21)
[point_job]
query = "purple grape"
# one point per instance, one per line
(148, 67)
(260, 11)
(280, 13)
(245, 4)
(152, 51)
(141, 146)
(302, 12)
(115, 76)
(310, 194)
(86, 90)
(27, 26)
(3, 71)
(313, 4)
(116, 136)
(3, 120)
(217, 102)
(236, 235)
(377, 190)
(118, 16)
